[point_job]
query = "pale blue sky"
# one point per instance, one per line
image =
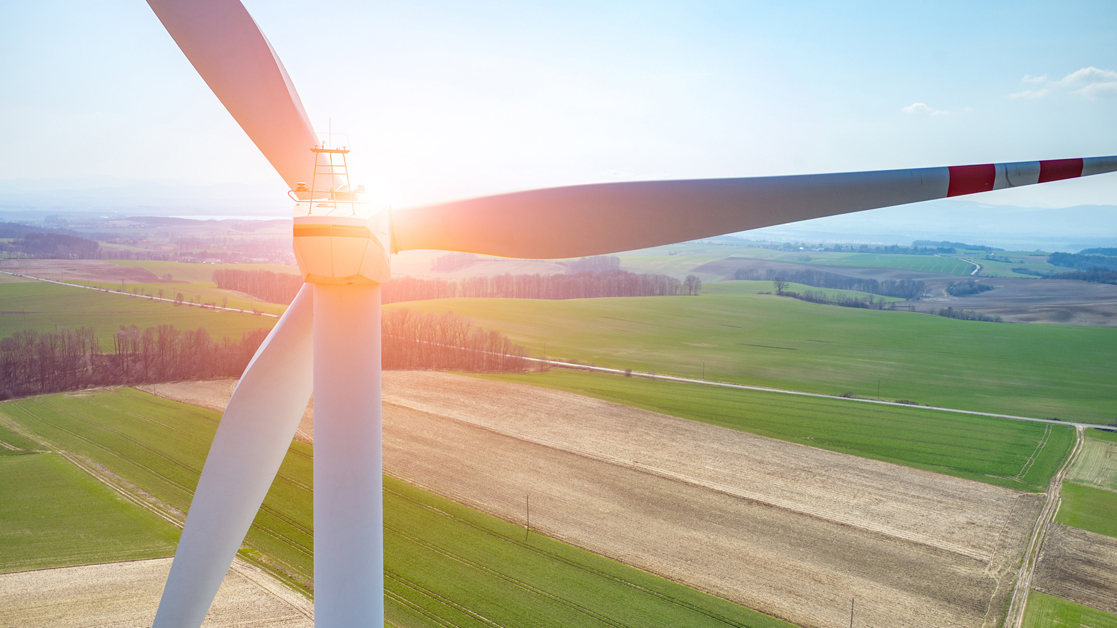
(443, 100)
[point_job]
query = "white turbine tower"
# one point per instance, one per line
(329, 339)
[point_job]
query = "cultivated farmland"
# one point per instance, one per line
(1045, 611)
(55, 515)
(1079, 566)
(126, 595)
(155, 448)
(791, 530)
(45, 307)
(733, 334)
(1092, 509)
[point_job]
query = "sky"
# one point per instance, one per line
(443, 100)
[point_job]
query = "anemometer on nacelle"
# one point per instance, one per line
(340, 238)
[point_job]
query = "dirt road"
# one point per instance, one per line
(1015, 616)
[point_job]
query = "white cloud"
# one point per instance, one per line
(1030, 94)
(1086, 76)
(1095, 90)
(921, 108)
(1088, 82)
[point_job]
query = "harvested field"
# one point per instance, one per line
(125, 595)
(789, 530)
(214, 395)
(78, 270)
(1079, 566)
(1097, 466)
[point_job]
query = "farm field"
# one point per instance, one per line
(159, 445)
(735, 335)
(126, 595)
(794, 514)
(45, 307)
(1018, 259)
(784, 528)
(1097, 465)
(1092, 509)
(197, 273)
(56, 515)
(1014, 454)
(1079, 566)
(1046, 611)
(201, 293)
(921, 263)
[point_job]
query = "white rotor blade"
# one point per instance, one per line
(231, 53)
(251, 441)
(610, 217)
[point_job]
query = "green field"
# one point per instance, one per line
(54, 515)
(1088, 508)
(1016, 454)
(445, 564)
(46, 307)
(921, 263)
(202, 293)
(199, 273)
(1018, 259)
(1046, 611)
(738, 336)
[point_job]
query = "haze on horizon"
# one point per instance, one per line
(442, 101)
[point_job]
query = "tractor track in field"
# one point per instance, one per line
(1014, 618)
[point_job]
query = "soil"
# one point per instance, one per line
(787, 529)
(79, 270)
(126, 595)
(1079, 566)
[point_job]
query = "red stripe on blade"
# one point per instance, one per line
(971, 179)
(1059, 169)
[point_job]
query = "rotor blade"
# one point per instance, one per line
(610, 217)
(231, 53)
(251, 441)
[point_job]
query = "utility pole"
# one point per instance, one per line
(851, 603)
(527, 528)
(703, 370)
(878, 390)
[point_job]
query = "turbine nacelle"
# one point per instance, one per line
(342, 241)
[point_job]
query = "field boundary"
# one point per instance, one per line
(570, 364)
(135, 296)
(1014, 618)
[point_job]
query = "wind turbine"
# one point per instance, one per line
(328, 341)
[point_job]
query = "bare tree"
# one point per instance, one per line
(781, 285)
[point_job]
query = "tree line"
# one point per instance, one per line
(33, 363)
(904, 288)
(447, 341)
(282, 288)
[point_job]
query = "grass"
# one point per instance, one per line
(1088, 508)
(1015, 454)
(736, 335)
(54, 515)
(446, 564)
(1047, 611)
(46, 307)
(199, 273)
(15, 444)
(195, 292)
(921, 263)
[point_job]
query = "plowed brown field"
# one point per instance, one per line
(1079, 566)
(786, 529)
